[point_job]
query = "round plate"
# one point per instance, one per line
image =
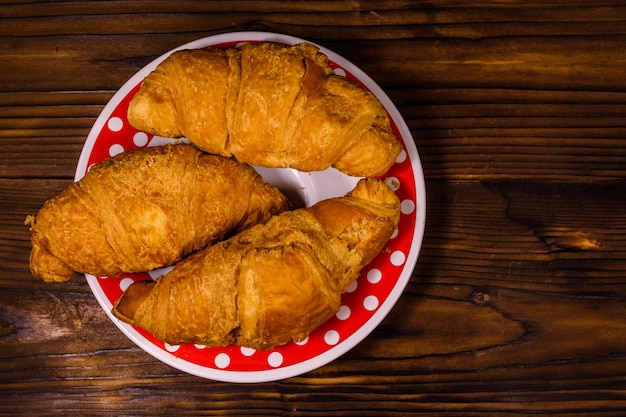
(366, 302)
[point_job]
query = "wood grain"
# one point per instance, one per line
(517, 303)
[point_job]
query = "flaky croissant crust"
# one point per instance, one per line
(270, 105)
(145, 209)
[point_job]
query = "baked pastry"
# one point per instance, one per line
(145, 209)
(271, 283)
(270, 105)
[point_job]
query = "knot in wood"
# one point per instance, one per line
(480, 297)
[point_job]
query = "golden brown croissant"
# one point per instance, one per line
(270, 105)
(271, 283)
(145, 209)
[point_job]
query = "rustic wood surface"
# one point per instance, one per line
(517, 304)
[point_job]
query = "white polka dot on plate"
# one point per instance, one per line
(116, 149)
(125, 283)
(374, 276)
(246, 351)
(171, 348)
(397, 258)
(199, 346)
(140, 139)
(222, 360)
(275, 359)
(394, 234)
(401, 156)
(340, 71)
(393, 183)
(370, 303)
(407, 206)
(352, 286)
(343, 313)
(331, 337)
(115, 124)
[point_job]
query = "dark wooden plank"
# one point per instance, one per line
(93, 62)
(485, 138)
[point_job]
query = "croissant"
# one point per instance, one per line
(270, 105)
(271, 283)
(145, 209)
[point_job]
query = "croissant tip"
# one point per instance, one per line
(125, 308)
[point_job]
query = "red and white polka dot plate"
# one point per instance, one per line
(366, 302)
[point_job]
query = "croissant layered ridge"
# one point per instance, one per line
(144, 209)
(271, 283)
(270, 105)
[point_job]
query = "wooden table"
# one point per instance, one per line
(517, 303)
